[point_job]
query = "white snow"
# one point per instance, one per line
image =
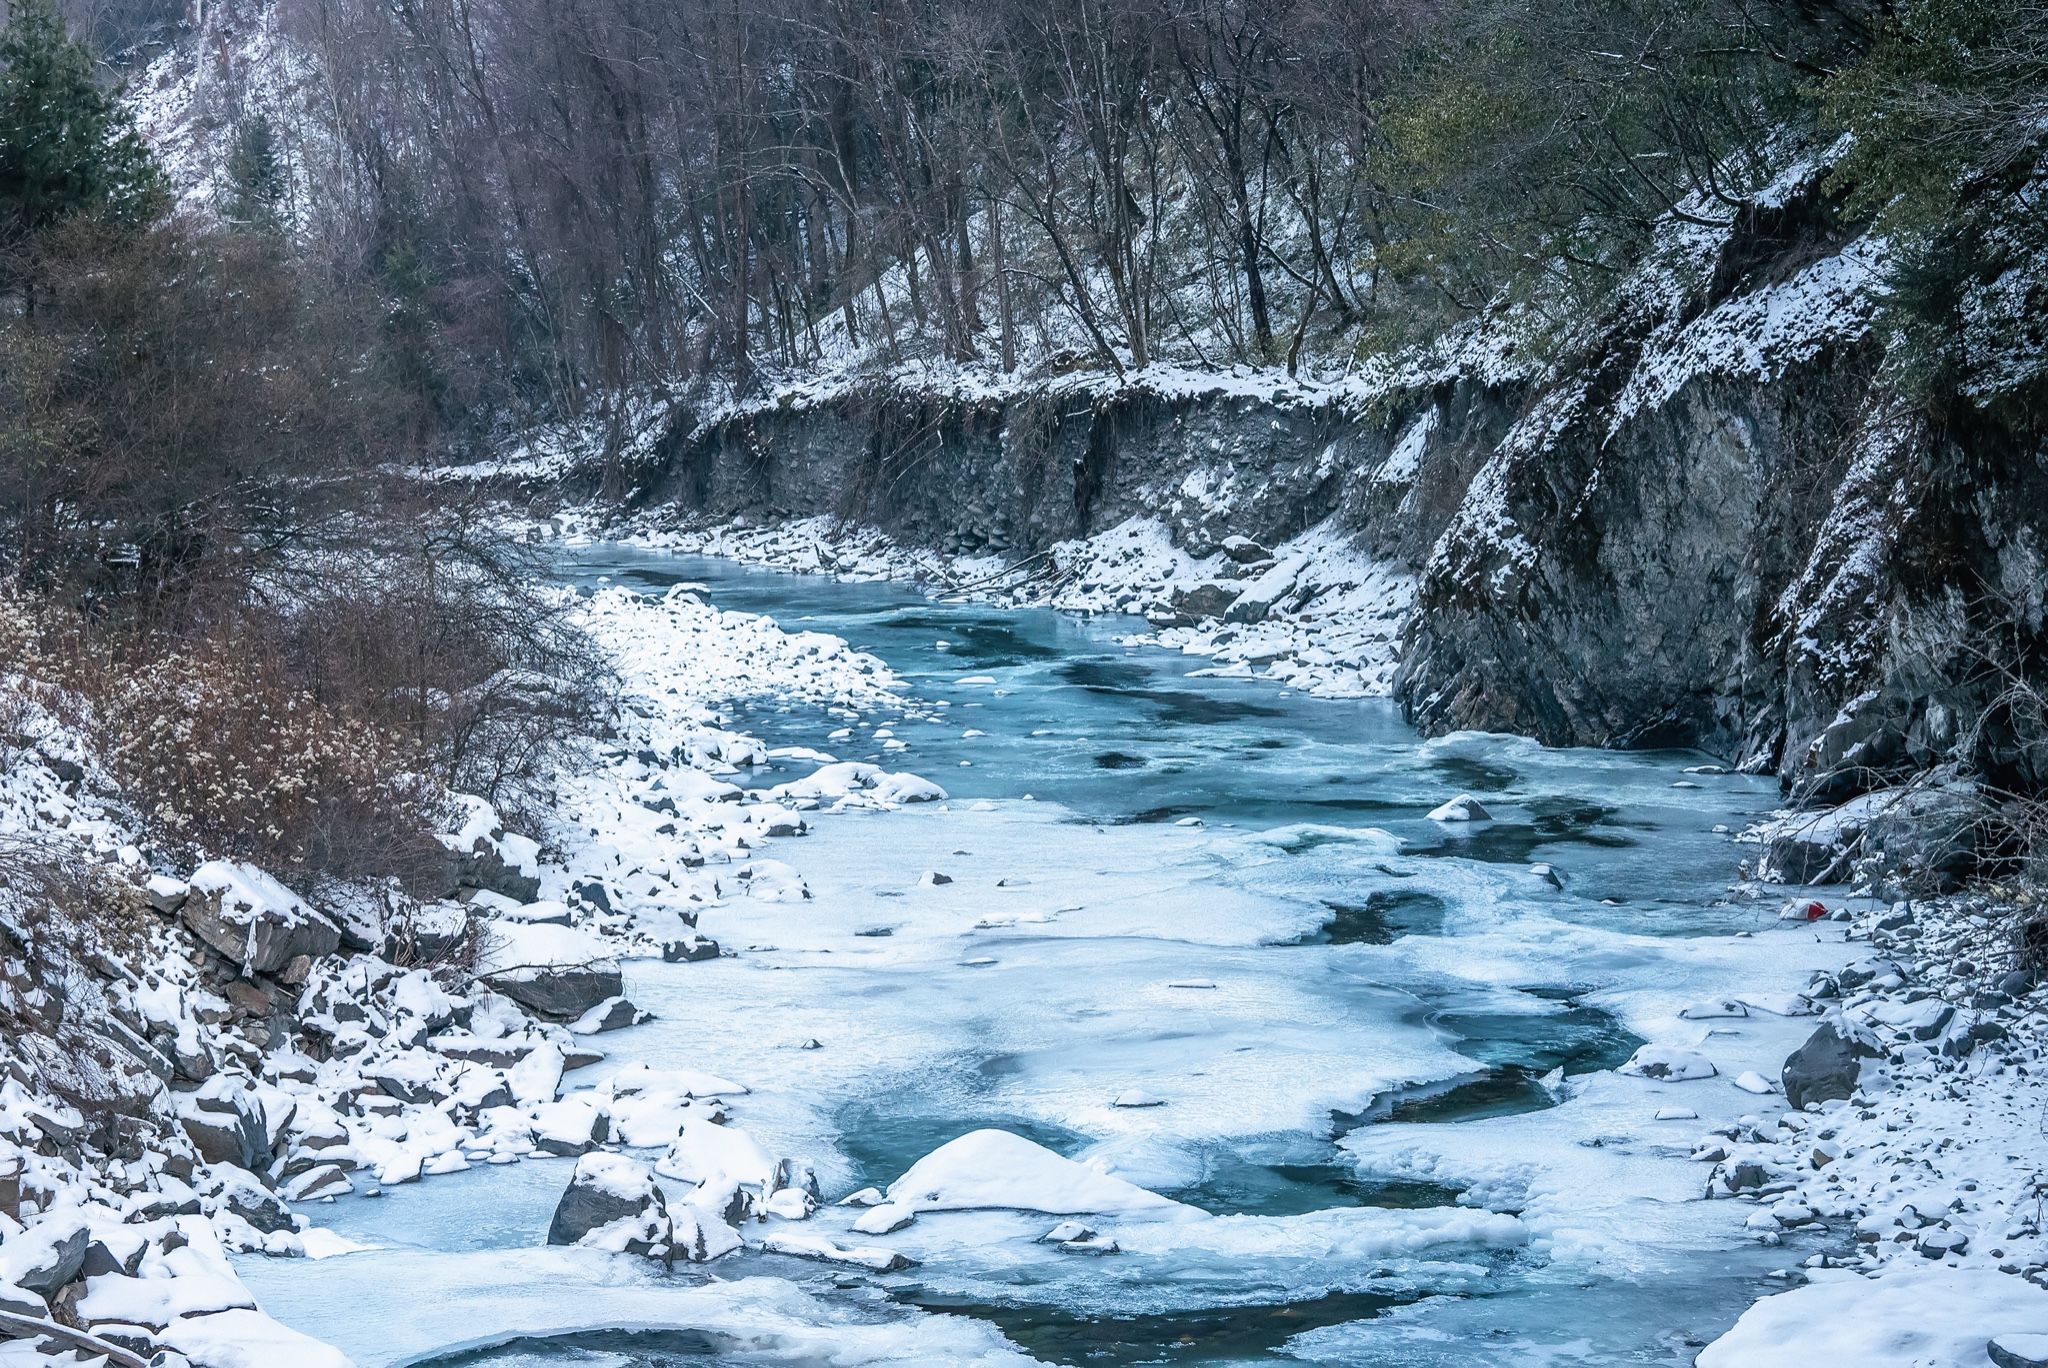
(996, 1169)
(1927, 1316)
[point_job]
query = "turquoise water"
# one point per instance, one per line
(1207, 888)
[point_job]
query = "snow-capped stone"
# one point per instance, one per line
(1066, 1232)
(1826, 1067)
(2019, 1350)
(1463, 808)
(558, 972)
(254, 920)
(1668, 1064)
(612, 1202)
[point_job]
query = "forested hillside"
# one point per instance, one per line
(564, 205)
(1707, 334)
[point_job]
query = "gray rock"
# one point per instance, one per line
(1825, 1068)
(2019, 1350)
(606, 1190)
(560, 993)
(1933, 1030)
(227, 1134)
(101, 1259)
(484, 867)
(261, 940)
(613, 1015)
(1210, 600)
(263, 1210)
(57, 1262)
(690, 950)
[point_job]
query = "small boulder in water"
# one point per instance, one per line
(613, 1203)
(1463, 808)
(1066, 1232)
(690, 950)
(612, 1014)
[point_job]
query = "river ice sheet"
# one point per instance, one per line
(1196, 890)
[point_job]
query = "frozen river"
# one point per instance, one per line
(1380, 1046)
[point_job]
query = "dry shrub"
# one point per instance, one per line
(444, 631)
(223, 752)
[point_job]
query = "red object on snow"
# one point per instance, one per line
(1816, 910)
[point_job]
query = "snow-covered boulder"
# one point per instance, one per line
(1930, 830)
(1827, 1066)
(1463, 808)
(851, 780)
(613, 1203)
(253, 919)
(46, 1256)
(710, 1155)
(613, 1014)
(486, 857)
(1668, 1064)
(555, 971)
(1928, 1314)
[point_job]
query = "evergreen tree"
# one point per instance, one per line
(256, 183)
(66, 144)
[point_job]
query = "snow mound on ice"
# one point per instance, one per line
(987, 1169)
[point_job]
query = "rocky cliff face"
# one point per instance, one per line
(1716, 528)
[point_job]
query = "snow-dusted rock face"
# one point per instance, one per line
(1713, 530)
(1722, 532)
(613, 1203)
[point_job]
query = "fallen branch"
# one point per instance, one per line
(18, 1326)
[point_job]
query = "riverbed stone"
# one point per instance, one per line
(560, 992)
(1825, 1068)
(614, 1201)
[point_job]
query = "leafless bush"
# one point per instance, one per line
(224, 752)
(411, 945)
(67, 901)
(449, 634)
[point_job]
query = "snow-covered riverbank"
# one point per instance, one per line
(1315, 613)
(257, 1048)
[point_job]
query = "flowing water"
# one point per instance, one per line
(1207, 889)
